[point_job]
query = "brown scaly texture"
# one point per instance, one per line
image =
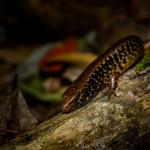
(119, 58)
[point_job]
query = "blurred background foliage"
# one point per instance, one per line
(29, 21)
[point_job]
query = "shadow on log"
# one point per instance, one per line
(121, 123)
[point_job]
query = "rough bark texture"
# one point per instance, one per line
(14, 113)
(123, 122)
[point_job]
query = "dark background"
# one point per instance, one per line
(36, 21)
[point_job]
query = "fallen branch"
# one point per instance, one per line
(119, 123)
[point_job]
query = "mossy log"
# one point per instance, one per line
(121, 122)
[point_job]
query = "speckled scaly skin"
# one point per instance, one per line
(97, 76)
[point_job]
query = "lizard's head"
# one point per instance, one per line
(71, 100)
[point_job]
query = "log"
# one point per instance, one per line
(121, 122)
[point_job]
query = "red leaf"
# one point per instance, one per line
(68, 46)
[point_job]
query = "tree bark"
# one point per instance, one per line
(121, 122)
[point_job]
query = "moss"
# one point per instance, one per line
(144, 63)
